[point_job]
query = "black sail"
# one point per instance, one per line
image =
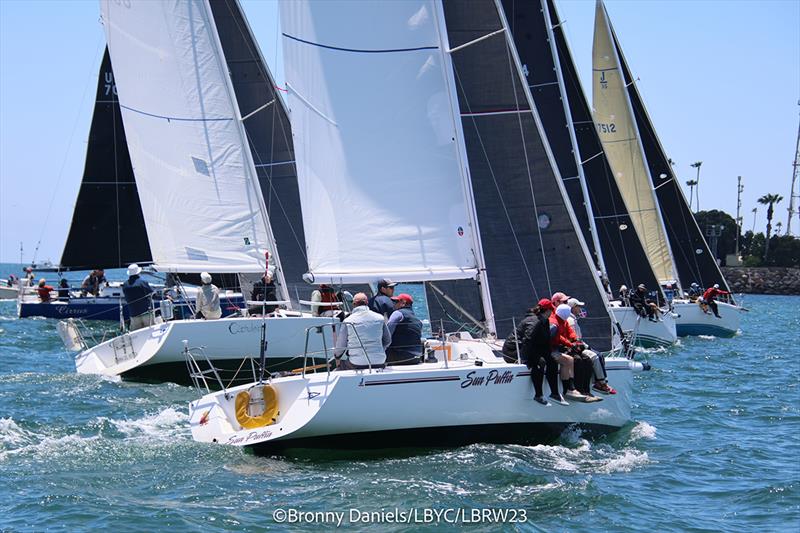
(270, 137)
(107, 229)
(692, 255)
(530, 244)
(624, 257)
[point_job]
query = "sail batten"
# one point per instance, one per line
(202, 206)
(377, 161)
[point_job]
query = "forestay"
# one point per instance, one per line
(620, 138)
(375, 142)
(201, 202)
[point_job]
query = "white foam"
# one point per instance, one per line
(11, 433)
(643, 430)
(630, 459)
(707, 337)
(51, 446)
(164, 424)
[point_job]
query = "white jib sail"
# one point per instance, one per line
(200, 199)
(619, 135)
(380, 185)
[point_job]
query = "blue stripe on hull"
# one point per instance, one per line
(103, 310)
(685, 330)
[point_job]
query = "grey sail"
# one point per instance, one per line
(690, 251)
(531, 244)
(269, 134)
(107, 229)
(624, 258)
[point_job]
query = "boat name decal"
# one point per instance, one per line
(66, 310)
(494, 377)
(237, 327)
(252, 436)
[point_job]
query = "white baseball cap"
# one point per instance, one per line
(563, 311)
(572, 302)
(205, 277)
(134, 269)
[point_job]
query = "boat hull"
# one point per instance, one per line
(100, 308)
(8, 293)
(427, 405)
(157, 353)
(648, 334)
(693, 321)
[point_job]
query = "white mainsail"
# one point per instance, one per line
(619, 135)
(201, 201)
(380, 179)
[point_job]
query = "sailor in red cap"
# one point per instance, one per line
(406, 330)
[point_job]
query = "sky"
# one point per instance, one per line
(721, 81)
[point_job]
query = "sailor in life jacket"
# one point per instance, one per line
(325, 295)
(406, 330)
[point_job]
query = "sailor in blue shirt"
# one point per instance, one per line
(382, 302)
(138, 295)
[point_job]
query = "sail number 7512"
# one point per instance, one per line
(606, 128)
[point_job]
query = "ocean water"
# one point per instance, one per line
(713, 446)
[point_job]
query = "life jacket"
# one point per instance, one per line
(564, 336)
(44, 293)
(407, 336)
(711, 293)
(327, 295)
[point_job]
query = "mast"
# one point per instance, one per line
(249, 166)
(795, 175)
(465, 175)
(571, 128)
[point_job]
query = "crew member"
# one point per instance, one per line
(63, 290)
(138, 295)
(365, 347)
(264, 290)
(382, 302)
(644, 306)
(710, 296)
(694, 291)
(533, 336)
(325, 294)
(562, 340)
(43, 290)
(207, 303)
(406, 330)
(597, 360)
(91, 283)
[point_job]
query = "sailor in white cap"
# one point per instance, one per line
(598, 363)
(207, 303)
(138, 295)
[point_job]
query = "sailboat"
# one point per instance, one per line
(376, 119)
(675, 246)
(197, 181)
(614, 247)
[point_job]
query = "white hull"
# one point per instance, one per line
(648, 334)
(6, 292)
(422, 405)
(157, 352)
(693, 321)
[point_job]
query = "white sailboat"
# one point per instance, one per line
(675, 247)
(395, 136)
(197, 183)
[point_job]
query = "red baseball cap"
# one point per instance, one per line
(545, 303)
(404, 297)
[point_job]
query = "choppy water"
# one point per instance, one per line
(714, 446)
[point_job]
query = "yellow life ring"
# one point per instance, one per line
(269, 410)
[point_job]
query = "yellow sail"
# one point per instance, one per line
(619, 135)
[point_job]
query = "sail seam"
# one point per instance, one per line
(361, 50)
(177, 119)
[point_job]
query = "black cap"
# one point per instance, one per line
(385, 283)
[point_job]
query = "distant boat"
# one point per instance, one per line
(616, 252)
(398, 134)
(193, 151)
(675, 246)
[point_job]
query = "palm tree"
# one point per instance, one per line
(697, 165)
(769, 200)
(691, 184)
(755, 210)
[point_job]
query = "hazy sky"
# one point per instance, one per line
(721, 81)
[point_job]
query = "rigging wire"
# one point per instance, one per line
(89, 79)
